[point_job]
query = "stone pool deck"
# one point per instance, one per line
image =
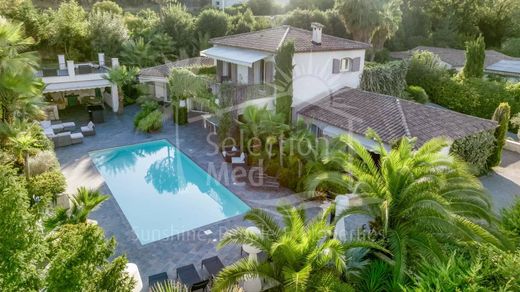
(187, 248)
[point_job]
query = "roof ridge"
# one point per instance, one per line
(328, 35)
(283, 37)
(247, 33)
(403, 118)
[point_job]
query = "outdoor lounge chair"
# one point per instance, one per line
(157, 279)
(239, 160)
(213, 265)
(89, 129)
(189, 276)
(65, 139)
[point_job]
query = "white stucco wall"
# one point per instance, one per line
(312, 74)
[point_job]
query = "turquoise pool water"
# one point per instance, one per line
(162, 192)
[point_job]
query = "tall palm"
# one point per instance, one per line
(20, 89)
(121, 76)
(389, 20)
(301, 254)
(417, 199)
(84, 202)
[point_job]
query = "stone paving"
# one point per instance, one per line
(179, 250)
(503, 182)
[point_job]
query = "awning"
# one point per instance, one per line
(235, 55)
(76, 85)
(331, 131)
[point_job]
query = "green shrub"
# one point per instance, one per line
(511, 47)
(43, 161)
(146, 108)
(47, 186)
(501, 115)
(417, 93)
(389, 78)
(151, 123)
(426, 70)
(511, 218)
(515, 123)
(37, 133)
(475, 150)
(272, 166)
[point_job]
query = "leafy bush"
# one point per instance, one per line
(272, 166)
(511, 47)
(426, 70)
(152, 122)
(146, 108)
(288, 178)
(511, 218)
(47, 186)
(501, 115)
(389, 78)
(475, 150)
(490, 269)
(43, 161)
(515, 122)
(417, 94)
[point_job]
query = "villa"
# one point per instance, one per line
(172, 192)
(326, 75)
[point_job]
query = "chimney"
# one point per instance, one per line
(101, 59)
(61, 62)
(316, 32)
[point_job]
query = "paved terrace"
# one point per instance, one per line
(179, 250)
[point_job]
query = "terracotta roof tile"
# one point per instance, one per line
(392, 118)
(270, 39)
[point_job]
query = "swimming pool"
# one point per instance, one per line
(162, 192)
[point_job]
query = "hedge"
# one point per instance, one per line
(389, 78)
(501, 115)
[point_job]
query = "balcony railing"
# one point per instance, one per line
(243, 92)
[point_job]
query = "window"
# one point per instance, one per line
(346, 65)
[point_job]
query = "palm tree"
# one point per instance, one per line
(300, 256)
(84, 202)
(121, 76)
(23, 145)
(20, 89)
(417, 199)
(139, 53)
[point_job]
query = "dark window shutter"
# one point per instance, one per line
(356, 63)
(335, 66)
(250, 75)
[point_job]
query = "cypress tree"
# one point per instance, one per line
(501, 115)
(475, 56)
(284, 80)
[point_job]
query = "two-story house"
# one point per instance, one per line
(322, 63)
(325, 80)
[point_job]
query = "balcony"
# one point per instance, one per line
(241, 93)
(79, 69)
